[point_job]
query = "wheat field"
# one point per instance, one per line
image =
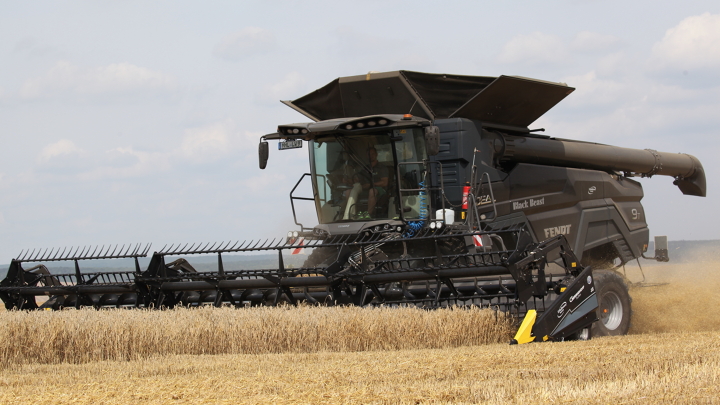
(665, 368)
(81, 336)
(353, 355)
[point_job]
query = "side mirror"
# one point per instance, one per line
(432, 140)
(263, 153)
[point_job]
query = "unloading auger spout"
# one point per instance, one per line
(686, 169)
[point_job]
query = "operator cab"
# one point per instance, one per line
(356, 176)
(364, 171)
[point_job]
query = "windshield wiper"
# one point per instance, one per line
(347, 148)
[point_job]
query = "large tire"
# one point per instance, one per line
(614, 309)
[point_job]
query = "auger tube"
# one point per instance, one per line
(686, 169)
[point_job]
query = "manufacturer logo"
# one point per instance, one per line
(577, 294)
(557, 230)
(484, 200)
(343, 226)
(592, 189)
(589, 279)
(561, 311)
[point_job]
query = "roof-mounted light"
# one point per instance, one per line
(292, 130)
(366, 123)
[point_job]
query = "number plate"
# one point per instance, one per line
(290, 144)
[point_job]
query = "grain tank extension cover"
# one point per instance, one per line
(505, 100)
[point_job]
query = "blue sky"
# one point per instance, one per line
(138, 121)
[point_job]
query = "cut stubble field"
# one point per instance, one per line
(351, 355)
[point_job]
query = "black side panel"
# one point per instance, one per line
(459, 138)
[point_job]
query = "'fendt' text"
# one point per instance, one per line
(557, 230)
(521, 205)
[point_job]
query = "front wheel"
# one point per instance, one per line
(614, 310)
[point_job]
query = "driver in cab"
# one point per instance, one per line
(378, 180)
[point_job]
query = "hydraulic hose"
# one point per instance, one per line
(415, 226)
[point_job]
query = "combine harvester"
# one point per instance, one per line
(430, 190)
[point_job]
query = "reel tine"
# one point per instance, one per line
(147, 249)
(183, 248)
(228, 244)
(121, 250)
(38, 254)
(45, 254)
(163, 249)
(203, 249)
(233, 246)
(81, 253)
(212, 247)
(96, 248)
(20, 256)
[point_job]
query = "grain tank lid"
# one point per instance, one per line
(425, 95)
(501, 100)
(514, 100)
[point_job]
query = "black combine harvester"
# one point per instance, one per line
(430, 190)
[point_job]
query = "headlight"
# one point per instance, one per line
(295, 234)
(433, 224)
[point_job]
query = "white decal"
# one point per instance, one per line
(635, 213)
(558, 230)
(521, 205)
(589, 279)
(577, 294)
(592, 189)
(484, 200)
(561, 310)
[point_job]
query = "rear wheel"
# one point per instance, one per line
(614, 310)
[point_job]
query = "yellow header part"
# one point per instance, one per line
(523, 334)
